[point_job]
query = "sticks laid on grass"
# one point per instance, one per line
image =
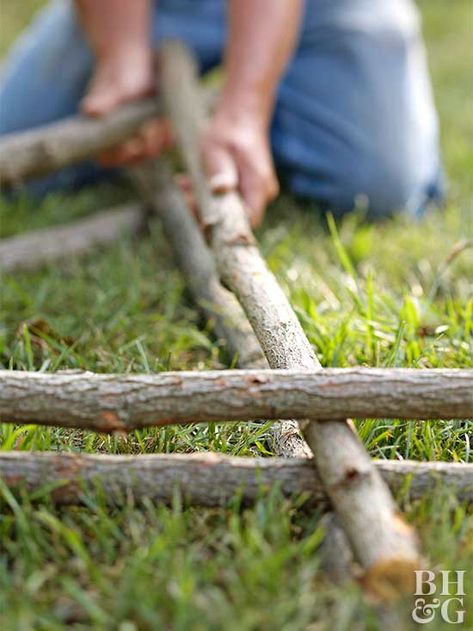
(383, 544)
(31, 250)
(155, 181)
(216, 303)
(51, 147)
(127, 402)
(37, 152)
(209, 479)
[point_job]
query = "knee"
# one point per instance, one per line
(384, 185)
(381, 188)
(380, 183)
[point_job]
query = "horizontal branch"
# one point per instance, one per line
(48, 148)
(126, 402)
(209, 479)
(33, 249)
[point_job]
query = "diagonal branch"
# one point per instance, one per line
(37, 152)
(383, 544)
(216, 303)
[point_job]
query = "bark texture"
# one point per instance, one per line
(40, 151)
(210, 479)
(127, 402)
(31, 250)
(155, 181)
(383, 543)
(218, 305)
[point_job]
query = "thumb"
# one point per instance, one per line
(100, 102)
(112, 85)
(103, 96)
(221, 169)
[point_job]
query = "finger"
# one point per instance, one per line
(151, 136)
(150, 141)
(167, 134)
(254, 195)
(257, 190)
(130, 151)
(157, 137)
(191, 202)
(220, 168)
(110, 158)
(184, 183)
(255, 201)
(100, 101)
(112, 86)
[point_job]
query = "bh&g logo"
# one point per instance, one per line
(450, 608)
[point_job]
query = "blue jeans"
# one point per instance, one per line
(354, 120)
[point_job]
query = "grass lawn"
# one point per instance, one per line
(375, 295)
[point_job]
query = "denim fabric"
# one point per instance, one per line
(354, 121)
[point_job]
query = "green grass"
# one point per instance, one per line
(377, 295)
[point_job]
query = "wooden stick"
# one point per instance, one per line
(127, 402)
(155, 181)
(230, 323)
(39, 151)
(71, 140)
(384, 545)
(210, 479)
(216, 303)
(54, 146)
(30, 251)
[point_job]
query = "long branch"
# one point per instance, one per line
(383, 544)
(210, 479)
(37, 152)
(33, 249)
(155, 181)
(46, 149)
(218, 305)
(126, 402)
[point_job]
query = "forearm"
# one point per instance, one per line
(116, 27)
(118, 32)
(262, 37)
